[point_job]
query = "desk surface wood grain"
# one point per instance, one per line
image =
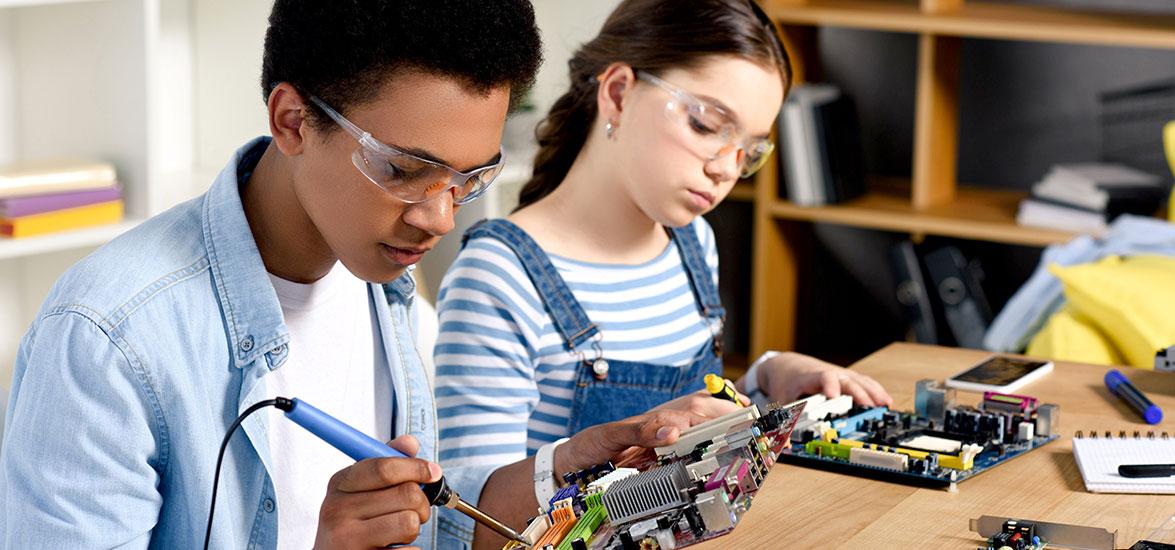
(807, 508)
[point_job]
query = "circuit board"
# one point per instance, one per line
(693, 490)
(938, 445)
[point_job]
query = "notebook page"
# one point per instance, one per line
(1099, 459)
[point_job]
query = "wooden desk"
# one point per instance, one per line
(808, 508)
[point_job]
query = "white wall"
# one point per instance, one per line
(565, 25)
(7, 71)
(229, 38)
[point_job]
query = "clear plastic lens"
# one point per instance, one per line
(755, 157)
(407, 177)
(412, 180)
(710, 131)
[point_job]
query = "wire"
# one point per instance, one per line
(281, 403)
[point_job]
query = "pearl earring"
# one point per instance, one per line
(610, 129)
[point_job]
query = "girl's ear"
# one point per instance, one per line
(616, 82)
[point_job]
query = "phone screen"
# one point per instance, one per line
(999, 371)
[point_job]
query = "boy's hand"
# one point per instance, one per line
(599, 444)
(377, 502)
(702, 404)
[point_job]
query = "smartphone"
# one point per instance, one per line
(999, 374)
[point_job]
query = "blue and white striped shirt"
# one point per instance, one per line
(505, 381)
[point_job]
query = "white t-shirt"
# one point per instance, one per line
(337, 363)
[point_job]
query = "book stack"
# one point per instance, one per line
(1086, 197)
(36, 199)
(821, 148)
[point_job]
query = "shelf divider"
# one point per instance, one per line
(936, 121)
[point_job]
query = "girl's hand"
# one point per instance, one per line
(788, 376)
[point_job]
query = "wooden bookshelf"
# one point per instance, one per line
(743, 191)
(931, 202)
(975, 213)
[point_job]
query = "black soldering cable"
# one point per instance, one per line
(356, 445)
(281, 403)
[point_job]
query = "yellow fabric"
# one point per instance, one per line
(1068, 336)
(1130, 300)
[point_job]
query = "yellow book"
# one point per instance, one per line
(62, 220)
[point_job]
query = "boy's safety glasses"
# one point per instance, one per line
(710, 129)
(408, 177)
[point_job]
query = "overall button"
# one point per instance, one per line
(600, 368)
(268, 505)
(246, 344)
(279, 350)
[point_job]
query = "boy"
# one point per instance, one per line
(288, 277)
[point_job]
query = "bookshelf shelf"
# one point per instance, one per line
(977, 214)
(56, 242)
(984, 20)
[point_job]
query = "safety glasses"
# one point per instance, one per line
(408, 177)
(710, 130)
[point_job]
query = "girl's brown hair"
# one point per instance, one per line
(653, 36)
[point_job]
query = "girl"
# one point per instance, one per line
(597, 298)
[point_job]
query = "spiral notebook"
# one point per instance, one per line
(1099, 455)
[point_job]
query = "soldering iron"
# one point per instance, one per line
(358, 446)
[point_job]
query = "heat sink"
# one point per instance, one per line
(647, 493)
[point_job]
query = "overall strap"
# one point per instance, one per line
(569, 317)
(701, 280)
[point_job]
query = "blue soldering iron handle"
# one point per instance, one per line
(358, 445)
(350, 441)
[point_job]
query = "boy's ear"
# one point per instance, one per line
(287, 110)
(615, 84)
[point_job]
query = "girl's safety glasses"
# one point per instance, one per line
(710, 129)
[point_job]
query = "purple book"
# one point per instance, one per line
(39, 204)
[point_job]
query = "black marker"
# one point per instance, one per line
(1146, 470)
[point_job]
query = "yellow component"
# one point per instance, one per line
(721, 388)
(955, 463)
(1169, 145)
(715, 383)
(829, 435)
(965, 460)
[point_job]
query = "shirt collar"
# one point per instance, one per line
(250, 305)
(251, 308)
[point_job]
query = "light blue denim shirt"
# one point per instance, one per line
(138, 361)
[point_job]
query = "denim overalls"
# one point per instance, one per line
(607, 390)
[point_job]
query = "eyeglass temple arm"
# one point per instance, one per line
(355, 131)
